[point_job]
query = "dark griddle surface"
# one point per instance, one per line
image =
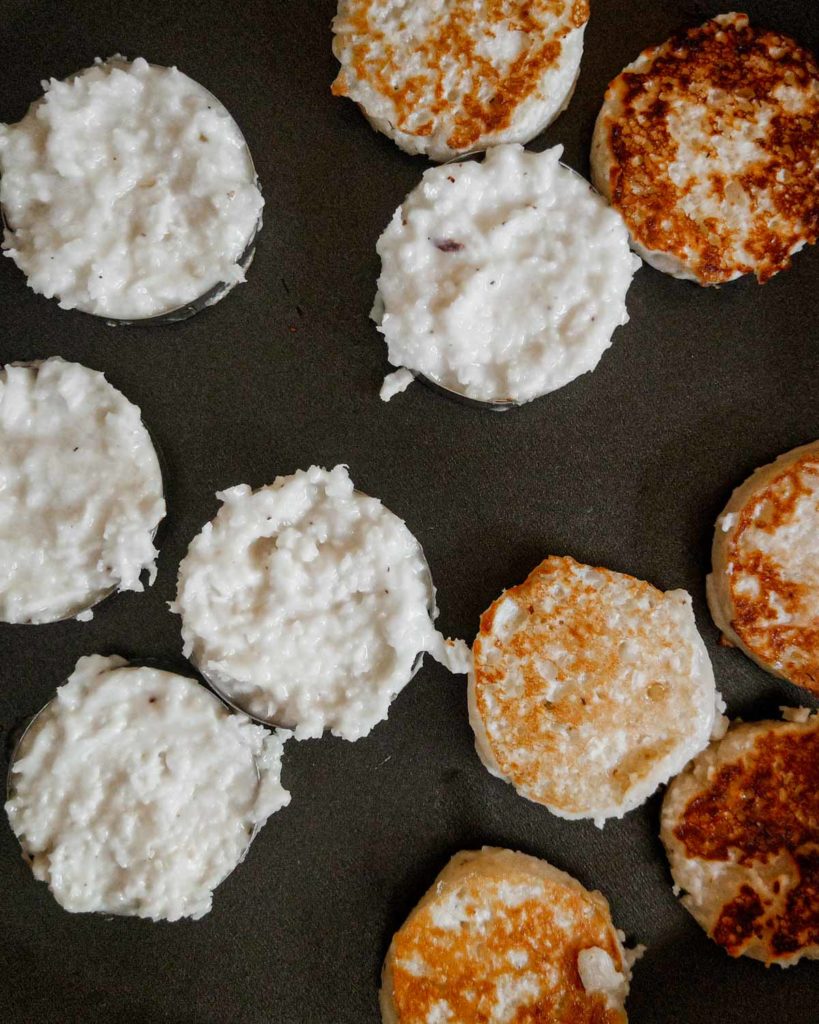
(627, 467)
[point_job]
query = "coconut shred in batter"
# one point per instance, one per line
(80, 492)
(136, 792)
(128, 191)
(502, 280)
(306, 603)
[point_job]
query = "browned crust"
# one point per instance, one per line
(453, 39)
(793, 645)
(530, 722)
(735, 58)
(761, 807)
(469, 986)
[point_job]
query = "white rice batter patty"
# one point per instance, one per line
(128, 192)
(443, 78)
(708, 145)
(590, 689)
(764, 588)
(137, 792)
(741, 829)
(80, 492)
(502, 936)
(505, 279)
(307, 603)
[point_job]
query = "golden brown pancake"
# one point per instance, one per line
(590, 688)
(764, 588)
(708, 145)
(449, 77)
(501, 936)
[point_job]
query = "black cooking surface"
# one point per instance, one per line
(627, 468)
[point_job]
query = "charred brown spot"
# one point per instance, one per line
(800, 926)
(763, 806)
(738, 921)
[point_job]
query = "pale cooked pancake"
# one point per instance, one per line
(502, 937)
(763, 591)
(708, 145)
(443, 77)
(741, 829)
(589, 689)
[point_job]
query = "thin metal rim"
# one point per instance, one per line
(26, 731)
(218, 682)
(215, 293)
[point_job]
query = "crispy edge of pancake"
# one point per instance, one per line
(717, 584)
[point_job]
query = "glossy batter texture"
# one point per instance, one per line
(80, 492)
(307, 603)
(128, 191)
(136, 792)
(502, 280)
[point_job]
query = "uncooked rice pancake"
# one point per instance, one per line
(128, 192)
(136, 792)
(708, 145)
(443, 78)
(589, 689)
(307, 604)
(763, 590)
(501, 937)
(502, 280)
(741, 829)
(80, 492)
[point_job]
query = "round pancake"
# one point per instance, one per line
(502, 280)
(501, 936)
(442, 77)
(708, 145)
(763, 591)
(741, 829)
(589, 689)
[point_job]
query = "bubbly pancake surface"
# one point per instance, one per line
(742, 830)
(449, 77)
(495, 940)
(708, 145)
